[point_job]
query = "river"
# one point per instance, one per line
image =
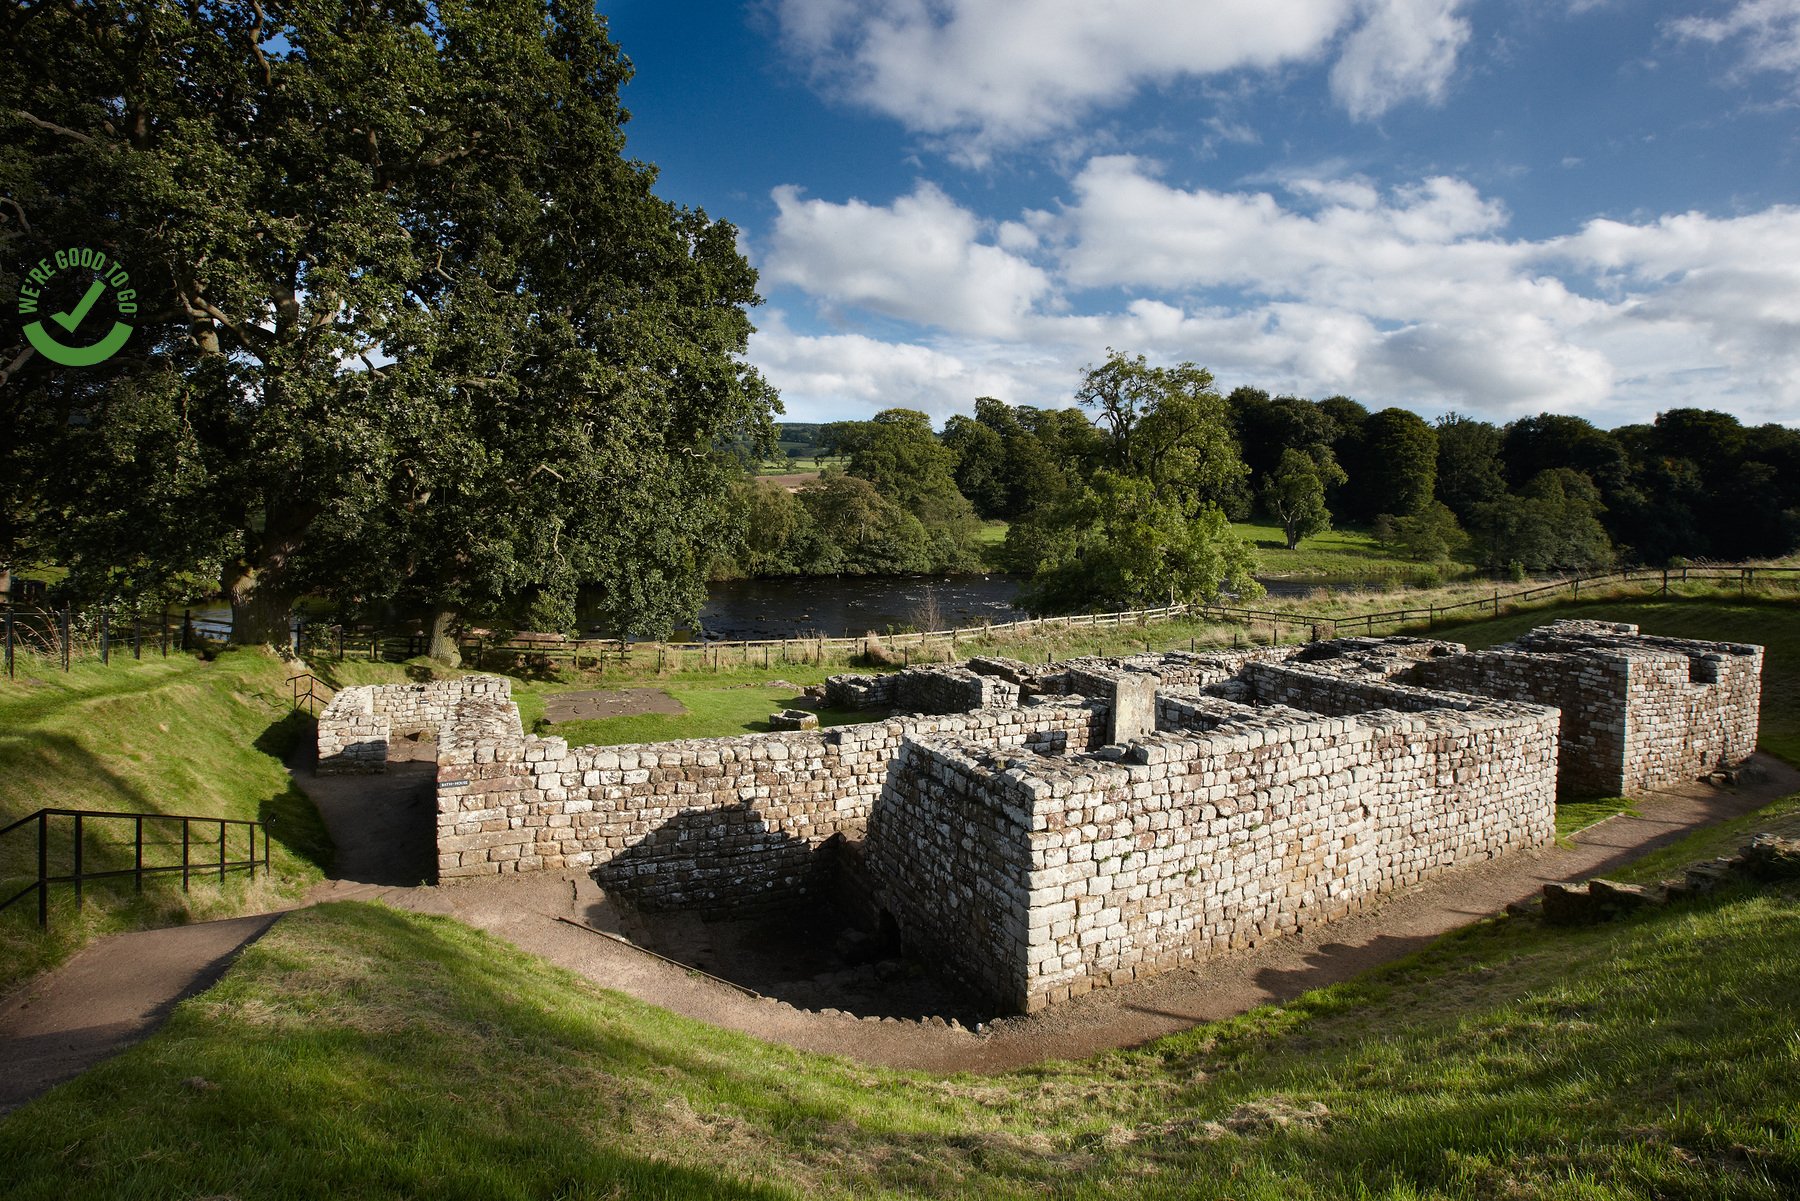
(850, 606)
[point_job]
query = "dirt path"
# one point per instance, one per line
(109, 996)
(1277, 971)
(118, 990)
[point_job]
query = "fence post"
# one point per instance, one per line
(137, 632)
(221, 852)
(78, 861)
(187, 623)
(1665, 583)
(65, 637)
(43, 868)
(9, 644)
(138, 859)
(185, 857)
(106, 637)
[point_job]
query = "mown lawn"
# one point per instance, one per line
(716, 712)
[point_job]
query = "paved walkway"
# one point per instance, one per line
(120, 989)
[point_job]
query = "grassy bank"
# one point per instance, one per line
(358, 1051)
(177, 735)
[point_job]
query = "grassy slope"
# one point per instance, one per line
(361, 1051)
(161, 736)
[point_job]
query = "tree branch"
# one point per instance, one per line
(12, 368)
(54, 128)
(18, 210)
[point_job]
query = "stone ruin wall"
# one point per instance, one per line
(355, 728)
(1638, 712)
(1095, 821)
(1191, 843)
(711, 822)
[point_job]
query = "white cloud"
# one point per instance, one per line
(1410, 296)
(983, 74)
(1404, 49)
(1766, 31)
(919, 259)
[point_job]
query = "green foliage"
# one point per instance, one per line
(1553, 525)
(1166, 425)
(1399, 463)
(300, 193)
(1431, 535)
(1470, 470)
(1011, 461)
(1294, 493)
(897, 453)
(1121, 543)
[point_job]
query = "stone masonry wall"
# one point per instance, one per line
(703, 822)
(1191, 843)
(355, 728)
(1639, 712)
(931, 689)
(948, 852)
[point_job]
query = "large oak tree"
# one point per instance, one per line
(412, 326)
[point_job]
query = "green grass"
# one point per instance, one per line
(1346, 552)
(1574, 816)
(359, 1051)
(1725, 839)
(177, 735)
(710, 713)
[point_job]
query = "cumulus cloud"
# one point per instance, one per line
(1404, 49)
(1767, 33)
(1412, 295)
(983, 74)
(920, 259)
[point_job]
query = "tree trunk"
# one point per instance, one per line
(443, 646)
(260, 587)
(259, 608)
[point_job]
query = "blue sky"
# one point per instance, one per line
(1493, 206)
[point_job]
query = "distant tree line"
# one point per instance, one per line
(1126, 496)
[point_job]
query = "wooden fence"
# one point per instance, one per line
(55, 634)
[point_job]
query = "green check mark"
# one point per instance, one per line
(72, 319)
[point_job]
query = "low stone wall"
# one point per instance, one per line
(922, 690)
(1199, 843)
(703, 822)
(355, 728)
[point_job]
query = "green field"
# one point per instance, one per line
(1347, 553)
(177, 735)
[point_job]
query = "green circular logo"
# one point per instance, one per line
(107, 274)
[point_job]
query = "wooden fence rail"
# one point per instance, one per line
(48, 632)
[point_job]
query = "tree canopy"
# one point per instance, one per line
(411, 324)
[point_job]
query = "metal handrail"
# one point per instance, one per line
(310, 697)
(188, 867)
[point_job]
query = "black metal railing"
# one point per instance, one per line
(189, 867)
(306, 691)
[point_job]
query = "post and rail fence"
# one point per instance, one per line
(189, 867)
(60, 635)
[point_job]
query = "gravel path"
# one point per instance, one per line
(118, 990)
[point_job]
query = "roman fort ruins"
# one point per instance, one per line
(1037, 832)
